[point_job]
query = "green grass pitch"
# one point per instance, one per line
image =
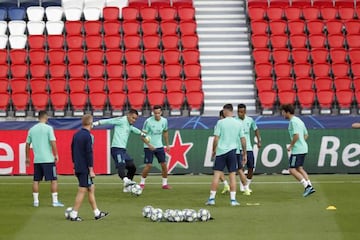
(281, 212)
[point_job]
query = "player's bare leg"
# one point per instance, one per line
(164, 174)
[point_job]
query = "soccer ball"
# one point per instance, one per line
(147, 210)
(178, 215)
(67, 212)
(136, 190)
(190, 215)
(203, 215)
(156, 215)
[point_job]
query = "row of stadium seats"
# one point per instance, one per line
(85, 65)
(306, 55)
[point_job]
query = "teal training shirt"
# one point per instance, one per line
(122, 129)
(296, 126)
(248, 124)
(40, 136)
(229, 132)
(155, 129)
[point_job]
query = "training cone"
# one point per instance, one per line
(331, 208)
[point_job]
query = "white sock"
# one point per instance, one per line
(309, 183)
(36, 196)
(164, 181)
(96, 212)
(226, 183)
(232, 196)
(73, 214)
(142, 180)
(54, 197)
(212, 194)
(304, 182)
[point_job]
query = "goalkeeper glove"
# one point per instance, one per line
(95, 124)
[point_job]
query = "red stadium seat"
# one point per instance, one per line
(113, 41)
(130, 13)
(74, 41)
(133, 56)
(18, 56)
(169, 27)
(311, 13)
(131, 42)
(189, 56)
(264, 84)
(338, 55)
(150, 27)
(115, 84)
(328, 12)
(137, 100)
(317, 41)
(94, 56)
(77, 85)
(296, 26)
(321, 69)
(20, 101)
(76, 70)
(97, 101)
(131, 27)
(319, 55)
(336, 41)
(280, 55)
(151, 42)
(38, 70)
(153, 70)
(73, 27)
(195, 100)
(189, 42)
(282, 69)
(302, 70)
(192, 70)
(112, 27)
(57, 56)
(173, 70)
(36, 41)
(267, 100)
(186, 13)
(334, 26)
(315, 26)
(78, 101)
(59, 101)
(340, 70)
(156, 98)
(117, 101)
(57, 70)
(292, 13)
(167, 13)
(300, 55)
(37, 56)
(154, 85)
(352, 26)
(152, 56)
(40, 100)
(278, 26)
(148, 13)
(259, 27)
(114, 71)
(193, 84)
(134, 71)
(306, 99)
(287, 97)
(36, 85)
(263, 70)
(256, 12)
(114, 56)
(176, 101)
(111, 13)
(74, 56)
(95, 70)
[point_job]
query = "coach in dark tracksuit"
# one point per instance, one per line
(82, 157)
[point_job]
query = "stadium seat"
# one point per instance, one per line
(300, 55)
(335, 41)
(92, 13)
(154, 85)
(334, 26)
(17, 27)
(16, 13)
(153, 71)
(94, 56)
(76, 85)
(354, 55)
(189, 42)
(35, 13)
(73, 13)
(135, 85)
(171, 42)
(287, 97)
(76, 70)
(304, 84)
(96, 85)
(133, 56)
(73, 27)
(93, 42)
(328, 13)
(167, 13)
(311, 13)
(3, 13)
(78, 101)
(346, 12)
(130, 13)
(93, 27)
(20, 101)
(169, 27)
(35, 27)
(114, 56)
(353, 40)
(37, 56)
(150, 27)
(275, 12)
(315, 26)
(134, 71)
(156, 98)
(267, 101)
(115, 84)
(132, 42)
(302, 70)
(352, 26)
(117, 101)
(113, 41)
(17, 41)
(321, 69)
(54, 27)
(317, 41)
(192, 70)
(298, 41)
(277, 27)
(59, 101)
(282, 69)
(74, 56)
(186, 13)
(57, 70)
(97, 101)
(95, 70)
(112, 27)
(259, 27)
(114, 71)
(3, 27)
(175, 100)
(292, 13)
(324, 83)
(285, 84)
(279, 55)
(148, 13)
(279, 41)
(325, 99)
(19, 84)
(263, 70)
(174, 84)
(131, 27)
(260, 41)
(3, 41)
(340, 70)
(264, 84)
(256, 12)
(137, 100)
(53, 13)
(50, 3)
(111, 13)
(4, 71)
(319, 55)
(152, 56)
(74, 42)
(195, 101)
(338, 55)
(306, 100)
(175, 70)
(193, 84)
(3, 56)
(36, 41)
(172, 56)
(18, 56)
(40, 100)
(18, 71)
(151, 42)
(189, 56)
(55, 41)
(37, 85)
(296, 26)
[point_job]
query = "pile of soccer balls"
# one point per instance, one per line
(176, 215)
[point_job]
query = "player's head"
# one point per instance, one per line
(221, 114)
(43, 116)
(287, 110)
(132, 116)
(157, 111)
(228, 110)
(241, 110)
(87, 120)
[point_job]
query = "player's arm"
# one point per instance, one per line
(166, 137)
(90, 157)
(55, 151)
(215, 143)
(243, 147)
(27, 154)
(293, 141)
(356, 125)
(111, 121)
(258, 138)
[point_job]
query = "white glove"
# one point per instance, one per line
(95, 124)
(142, 134)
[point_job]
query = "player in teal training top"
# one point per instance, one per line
(298, 147)
(248, 124)
(42, 139)
(156, 127)
(123, 126)
(227, 133)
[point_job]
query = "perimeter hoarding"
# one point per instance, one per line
(330, 151)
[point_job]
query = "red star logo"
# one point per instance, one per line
(177, 153)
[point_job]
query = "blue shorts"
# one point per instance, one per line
(228, 160)
(84, 180)
(47, 170)
(296, 160)
(158, 152)
(250, 160)
(119, 155)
